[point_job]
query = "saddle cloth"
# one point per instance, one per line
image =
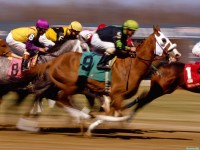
(88, 67)
(15, 68)
(191, 75)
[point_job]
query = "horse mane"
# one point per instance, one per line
(172, 64)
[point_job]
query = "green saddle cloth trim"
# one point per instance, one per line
(88, 67)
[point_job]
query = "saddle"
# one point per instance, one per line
(88, 69)
(192, 75)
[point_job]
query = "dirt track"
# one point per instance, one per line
(146, 135)
(171, 123)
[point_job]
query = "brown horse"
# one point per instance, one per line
(165, 80)
(127, 73)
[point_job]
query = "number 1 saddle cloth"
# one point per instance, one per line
(192, 75)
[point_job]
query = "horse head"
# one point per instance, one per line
(163, 44)
(4, 48)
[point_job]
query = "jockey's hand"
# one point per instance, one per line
(133, 49)
(43, 49)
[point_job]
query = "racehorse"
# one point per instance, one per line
(11, 84)
(127, 72)
(165, 80)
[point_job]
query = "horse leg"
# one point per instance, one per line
(90, 100)
(158, 88)
(28, 124)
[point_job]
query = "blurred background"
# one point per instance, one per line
(179, 12)
(178, 19)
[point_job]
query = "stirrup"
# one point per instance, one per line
(25, 69)
(104, 67)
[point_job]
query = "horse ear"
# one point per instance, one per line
(156, 28)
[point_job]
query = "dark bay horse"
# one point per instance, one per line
(165, 80)
(127, 73)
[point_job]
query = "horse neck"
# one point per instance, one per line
(132, 70)
(71, 46)
(57, 50)
(145, 55)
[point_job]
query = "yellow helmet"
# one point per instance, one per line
(75, 25)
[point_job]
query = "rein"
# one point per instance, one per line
(145, 61)
(50, 54)
(5, 53)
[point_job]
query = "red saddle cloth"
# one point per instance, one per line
(191, 75)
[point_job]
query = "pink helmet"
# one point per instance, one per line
(42, 23)
(100, 26)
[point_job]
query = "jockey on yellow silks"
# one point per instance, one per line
(55, 34)
(25, 40)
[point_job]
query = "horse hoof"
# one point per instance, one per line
(27, 125)
(88, 134)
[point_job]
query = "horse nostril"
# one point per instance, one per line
(198, 70)
(178, 55)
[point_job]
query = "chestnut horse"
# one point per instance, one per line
(165, 80)
(127, 73)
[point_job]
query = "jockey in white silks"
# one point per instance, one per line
(196, 49)
(85, 37)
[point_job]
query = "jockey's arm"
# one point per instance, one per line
(31, 46)
(46, 42)
(124, 46)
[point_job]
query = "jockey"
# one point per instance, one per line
(25, 39)
(86, 35)
(112, 38)
(196, 50)
(55, 34)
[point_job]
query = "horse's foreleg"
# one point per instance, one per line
(92, 126)
(155, 91)
(129, 105)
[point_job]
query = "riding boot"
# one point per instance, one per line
(103, 63)
(25, 64)
(25, 60)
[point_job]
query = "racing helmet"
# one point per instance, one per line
(75, 25)
(42, 23)
(100, 26)
(131, 24)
